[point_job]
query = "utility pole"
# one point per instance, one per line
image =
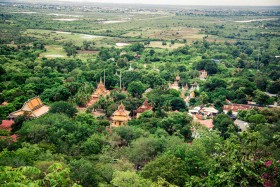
(104, 77)
(259, 57)
(120, 76)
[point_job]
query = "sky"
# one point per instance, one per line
(192, 2)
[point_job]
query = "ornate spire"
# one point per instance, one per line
(121, 106)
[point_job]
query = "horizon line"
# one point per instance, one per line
(138, 3)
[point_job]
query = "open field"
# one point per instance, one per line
(168, 34)
(61, 36)
(54, 51)
(158, 44)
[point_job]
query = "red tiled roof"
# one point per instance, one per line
(237, 107)
(207, 123)
(13, 137)
(144, 107)
(6, 124)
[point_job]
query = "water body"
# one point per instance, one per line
(254, 20)
(108, 22)
(122, 44)
(66, 19)
(85, 36)
(75, 16)
(24, 12)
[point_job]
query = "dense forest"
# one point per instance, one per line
(64, 54)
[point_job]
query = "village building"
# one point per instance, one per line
(242, 125)
(144, 107)
(100, 91)
(209, 112)
(203, 74)
(203, 113)
(194, 111)
(208, 123)
(33, 108)
(6, 125)
(235, 108)
(120, 116)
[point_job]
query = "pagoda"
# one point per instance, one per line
(144, 107)
(175, 85)
(100, 91)
(120, 116)
(194, 86)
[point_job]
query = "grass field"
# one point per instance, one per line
(60, 36)
(167, 34)
(158, 44)
(54, 51)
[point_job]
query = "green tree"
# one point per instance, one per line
(136, 88)
(83, 172)
(178, 104)
(128, 179)
(144, 149)
(168, 167)
(262, 98)
(63, 107)
(223, 123)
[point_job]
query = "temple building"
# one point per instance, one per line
(120, 116)
(146, 106)
(203, 74)
(33, 108)
(186, 87)
(194, 86)
(100, 91)
(192, 95)
(175, 85)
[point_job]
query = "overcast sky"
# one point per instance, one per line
(191, 2)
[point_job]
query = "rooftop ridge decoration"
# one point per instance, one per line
(120, 116)
(100, 91)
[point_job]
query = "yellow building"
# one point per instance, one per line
(100, 91)
(33, 108)
(120, 116)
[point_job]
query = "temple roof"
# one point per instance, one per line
(121, 111)
(145, 106)
(121, 114)
(34, 107)
(100, 90)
